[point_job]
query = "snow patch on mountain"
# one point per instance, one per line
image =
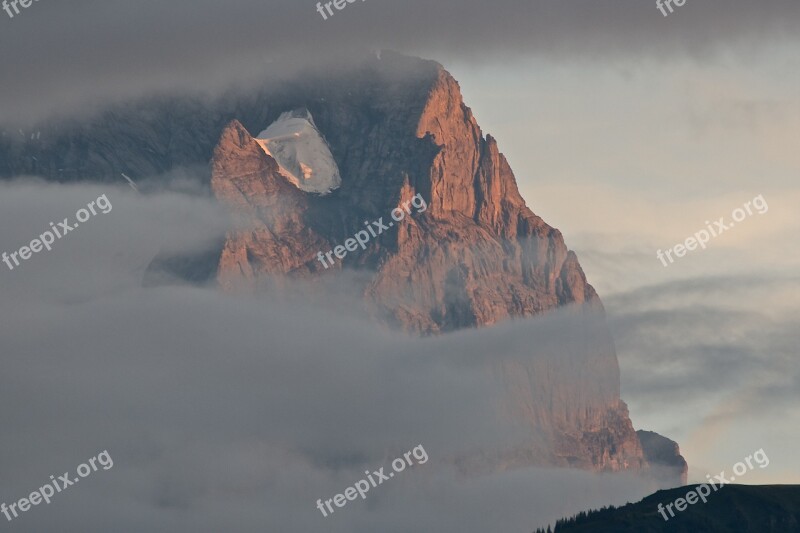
(305, 159)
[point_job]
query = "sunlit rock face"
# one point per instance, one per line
(476, 256)
(303, 165)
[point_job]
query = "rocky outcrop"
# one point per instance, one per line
(664, 457)
(271, 236)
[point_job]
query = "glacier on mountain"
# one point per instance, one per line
(304, 157)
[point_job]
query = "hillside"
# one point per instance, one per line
(733, 509)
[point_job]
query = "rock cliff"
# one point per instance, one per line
(664, 456)
(476, 255)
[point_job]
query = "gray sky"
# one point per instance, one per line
(58, 55)
(629, 156)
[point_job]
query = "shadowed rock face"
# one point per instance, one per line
(664, 455)
(476, 255)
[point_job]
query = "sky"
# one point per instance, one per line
(626, 130)
(59, 57)
(635, 155)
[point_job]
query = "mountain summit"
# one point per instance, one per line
(305, 164)
(476, 256)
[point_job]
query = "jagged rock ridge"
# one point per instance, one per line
(477, 255)
(396, 127)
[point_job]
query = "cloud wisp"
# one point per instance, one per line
(224, 410)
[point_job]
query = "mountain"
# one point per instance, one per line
(381, 169)
(663, 454)
(732, 509)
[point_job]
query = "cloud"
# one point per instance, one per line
(721, 353)
(84, 51)
(224, 410)
(707, 346)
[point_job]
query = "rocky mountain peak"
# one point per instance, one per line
(304, 166)
(475, 256)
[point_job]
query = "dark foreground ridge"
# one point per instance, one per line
(733, 509)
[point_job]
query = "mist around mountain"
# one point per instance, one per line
(369, 139)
